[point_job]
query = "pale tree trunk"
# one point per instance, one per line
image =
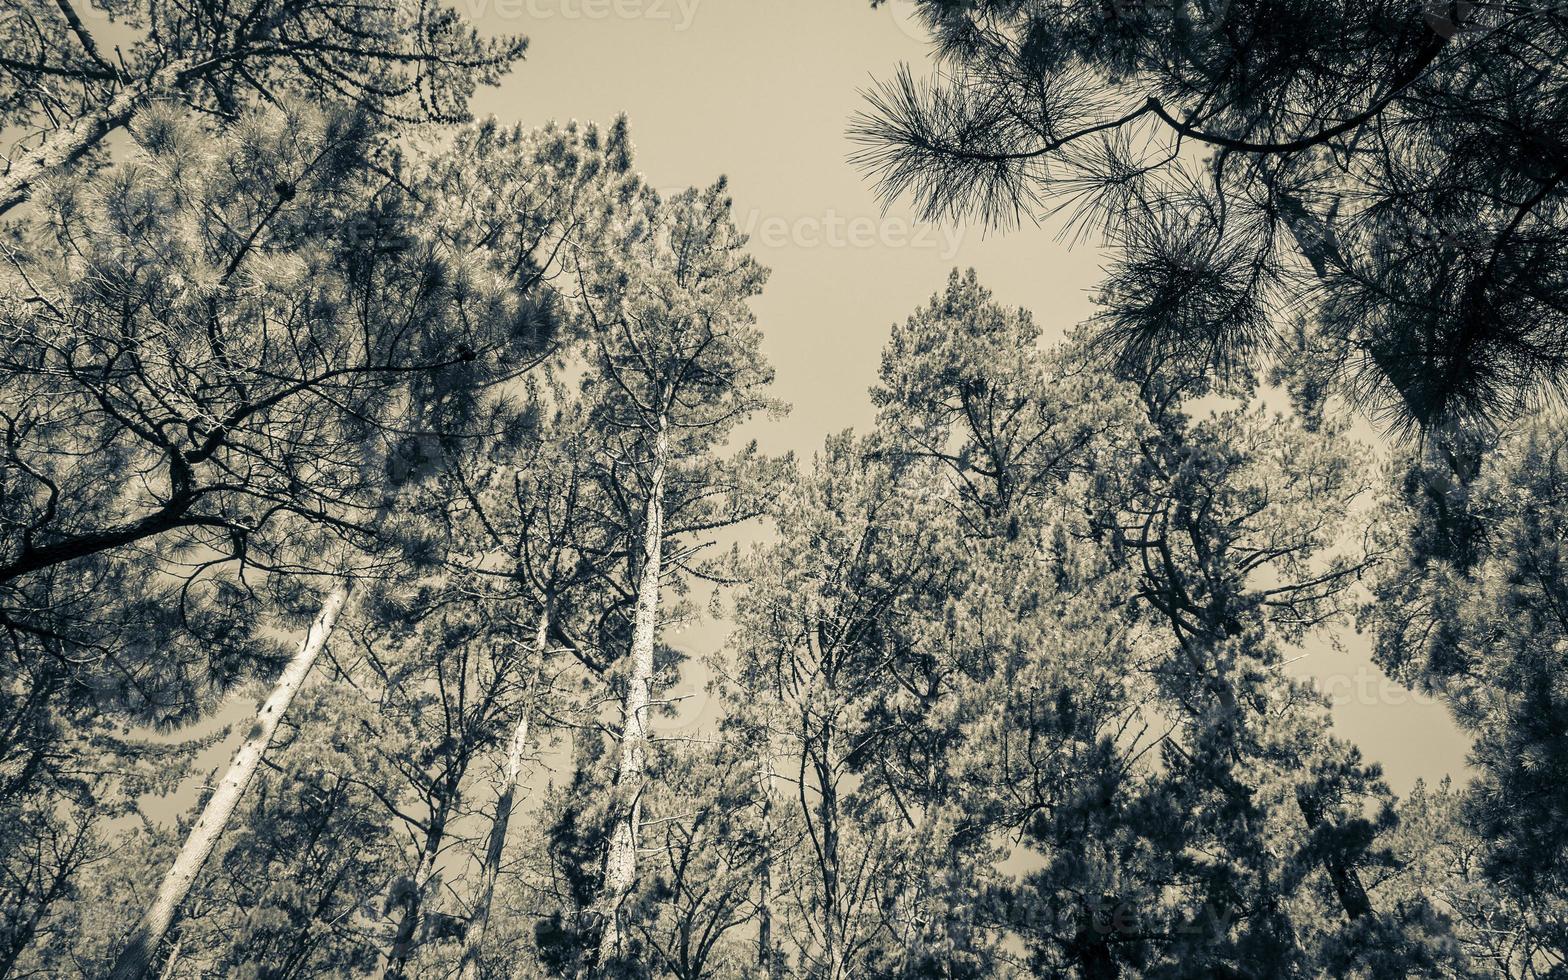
(70, 142)
(620, 861)
(154, 925)
(510, 780)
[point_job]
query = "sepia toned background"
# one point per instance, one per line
(760, 91)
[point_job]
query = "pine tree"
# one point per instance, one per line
(704, 838)
(1081, 659)
(812, 654)
(540, 512)
(464, 273)
(1470, 606)
(70, 91)
(675, 366)
(1370, 196)
(1032, 701)
(135, 960)
(295, 885)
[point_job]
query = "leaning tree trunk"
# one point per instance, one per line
(503, 809)
(70, 142)
(620, 861)
(134, 960)
(413, 898)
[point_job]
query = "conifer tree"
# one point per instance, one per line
(1084, 663)
(539, 511)
(675, 366)
(855, 549)
(446, 680)
(70, 89)
(1470, 606)
(295, 885)
(485, 270)
(1369, 197)
(203, 837)
(704, 843)
(1031, 704)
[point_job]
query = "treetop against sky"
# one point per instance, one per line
(970, 488)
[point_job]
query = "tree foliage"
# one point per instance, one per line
(1369, 196)
(68, 88)
(1005, 692)
(1471, 606)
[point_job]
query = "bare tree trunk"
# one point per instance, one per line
(765, 869)
(69, 143)
(503, 809)
(832, 906)
(135, 959)
(413, 899)
(620, 861)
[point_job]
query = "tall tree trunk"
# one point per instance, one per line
(765, 870)
(134, 960)
(70, 142)
(832, 907)
(824, 835)
(412, 901)
(620, 861)
(503, 809)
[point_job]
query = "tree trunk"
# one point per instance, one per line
(69, 143)
(503, 810)
(827, 817)
(1348, 889)
(765, 871)
(413, 899)
(620, 861)
(135, 959)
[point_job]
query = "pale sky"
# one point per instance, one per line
(760, 91)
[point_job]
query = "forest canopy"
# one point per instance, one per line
(362, 461)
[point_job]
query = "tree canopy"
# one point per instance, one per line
(363, 467)
(1366, 198)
